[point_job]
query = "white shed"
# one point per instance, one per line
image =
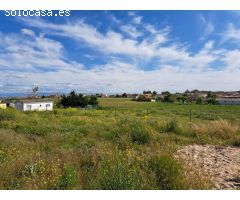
(34, 105)
(228, 101)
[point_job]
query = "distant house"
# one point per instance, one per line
(102, 95)
(228, 100)
(34, 105)
(3, 105)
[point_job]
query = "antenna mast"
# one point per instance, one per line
(35, 91)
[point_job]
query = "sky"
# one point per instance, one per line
(120, 51)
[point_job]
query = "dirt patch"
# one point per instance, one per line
(220, 164)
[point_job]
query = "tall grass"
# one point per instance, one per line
(101, 149)
(168, 172)
(220, 129)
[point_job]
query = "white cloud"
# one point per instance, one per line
(22, 53)
(232, 60)
(26, 60)
(131, 31)
(208, 27)
(123, 77)
(112, 42)
(28, 32)
(231, 34)
(137, 20)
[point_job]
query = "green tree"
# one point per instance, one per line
(77, 100)
(199, 100)
(124, 95)
(169, 98)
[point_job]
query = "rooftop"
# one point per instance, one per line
(35, 100)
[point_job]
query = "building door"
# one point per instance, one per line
(47, 106)
(29, 107)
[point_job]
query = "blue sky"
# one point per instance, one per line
(121, 51)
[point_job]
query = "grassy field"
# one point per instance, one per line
(122, 145)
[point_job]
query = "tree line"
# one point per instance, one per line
(77, 100)
(184, 98)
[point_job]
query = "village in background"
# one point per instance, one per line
(148, 140)
(38, 102)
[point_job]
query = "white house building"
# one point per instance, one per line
(228, 101)
(34, 105)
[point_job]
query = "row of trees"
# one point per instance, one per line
(186, 98)
(77, 100)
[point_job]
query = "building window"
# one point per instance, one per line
(29, 107)
(48, 105)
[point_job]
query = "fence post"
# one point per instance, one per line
(190, 115)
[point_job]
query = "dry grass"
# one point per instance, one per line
(220, 129)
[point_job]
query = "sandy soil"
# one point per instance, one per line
(220, 164)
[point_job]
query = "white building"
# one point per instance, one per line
(34, 105)
(228, 101)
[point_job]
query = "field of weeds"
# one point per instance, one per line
(121, 145)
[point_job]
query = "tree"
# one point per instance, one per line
(166, 93)
(199, 100)
(154, 93)
(147, 92)
(182, 99)
(169, 98)
(211, 101)
(124, 95)
(93, 100)
(211, 98)
(211, 95)
(77, 100)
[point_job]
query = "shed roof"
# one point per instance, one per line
(228, 99)
(34, 100)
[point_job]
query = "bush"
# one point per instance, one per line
(139, 136)
(236, 142)
(31, 169)
(167, 171)
(172, 126)
(68, 179)
(118, 173)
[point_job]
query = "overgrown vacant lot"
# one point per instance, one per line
(122, 145)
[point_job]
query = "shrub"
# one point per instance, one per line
(68, 179)
(236, 142)
(199, 100)
(167, 171)
(31, 169)
(172, 126)
(139, 135)
(118, 173)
